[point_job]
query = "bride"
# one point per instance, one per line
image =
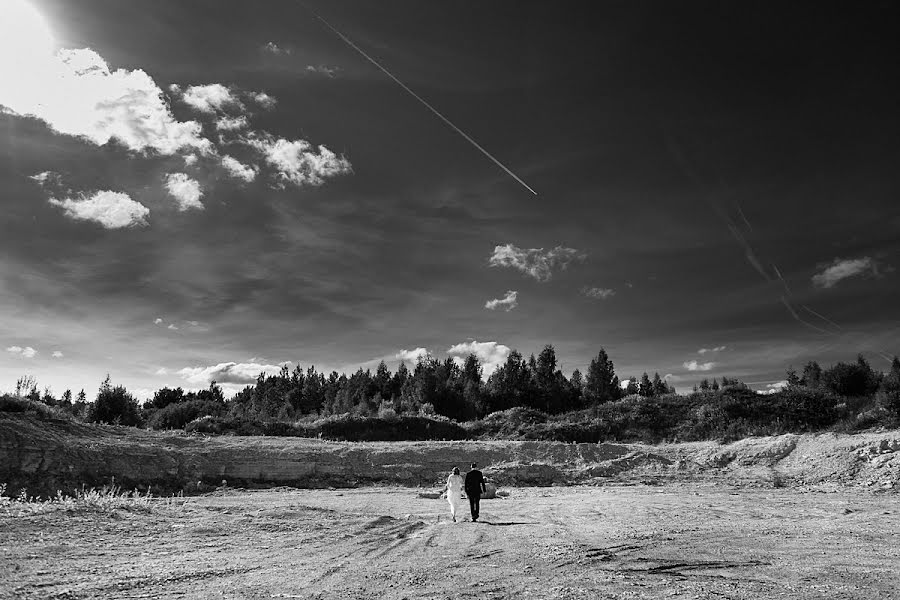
(454, 490)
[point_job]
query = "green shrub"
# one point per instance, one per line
(176, 416)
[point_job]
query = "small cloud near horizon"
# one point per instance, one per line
(508, 302)
(693, 365)
(412, 355)
(716, 349)
(26, 352)
(491, 355)
(841, 269)
(598, 293)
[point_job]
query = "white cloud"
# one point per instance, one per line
(76, 93)
(297, 163)
(412, 356)
(693, 365)
(209, 98)
(190, 160)
(705, 350)
(274, 48)
(57, 354)
(161, 371)
(26, 352)
(226, 123)
(490, 354)
(323, 70)
(597, 292)
(112, 210)
(237, 169)
(263, 99)
(186, 191)
(158, 321)
(227, 372)
(773, 388)
(44, 177)
(535, 262)
(508, 302)
(841, 269)
(172, 326)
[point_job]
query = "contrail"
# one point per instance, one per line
(784, 283)
(797, 317)
(422, 100)
(741, 212)
(823, 317)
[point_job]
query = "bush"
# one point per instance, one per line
(114, 405)
(10, 403)
(176, 416)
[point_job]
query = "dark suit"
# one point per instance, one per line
(474, 486)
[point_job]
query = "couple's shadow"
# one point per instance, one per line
(507, 523)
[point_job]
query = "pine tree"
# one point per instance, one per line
(645, 388)
(812, 375)
(704, 385)
(601, 384)
(632, 387)
(715, 385)
(659, 386)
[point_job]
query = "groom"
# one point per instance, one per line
(474, 486)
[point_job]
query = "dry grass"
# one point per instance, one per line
(106, 499)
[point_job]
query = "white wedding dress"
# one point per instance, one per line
(454, 492)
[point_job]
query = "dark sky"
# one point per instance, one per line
(710, 176)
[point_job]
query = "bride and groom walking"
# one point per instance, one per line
(474, 486)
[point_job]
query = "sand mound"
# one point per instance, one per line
(44, 456)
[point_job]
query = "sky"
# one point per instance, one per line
(197, 191)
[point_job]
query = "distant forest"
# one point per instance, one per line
(523, 398)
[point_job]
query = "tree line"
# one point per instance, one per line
(452, 388)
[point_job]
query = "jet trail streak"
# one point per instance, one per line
(423, 101)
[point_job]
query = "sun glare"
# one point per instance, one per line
(23, 32)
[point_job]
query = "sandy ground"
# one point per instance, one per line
(673, 541)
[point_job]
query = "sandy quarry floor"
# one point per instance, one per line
(675, 541)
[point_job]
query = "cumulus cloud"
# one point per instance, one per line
(227, 123)
(190, 160)
(57, 354)
(841, 269)
(535, 262)
(297, 162)
(112, 210)
(158, 321)
(186, 191)
(773, 388)
(323, 70)
(412, 356)
(263, 99)
(705, 350)
(598, 292)
(274, 48)
(693, 365)
(237, 169)
(210, 98)
(46, 178)
(76, 93)
(227, 372)
(172, 326)
(490, 354)
(26, 352)
(508, 302)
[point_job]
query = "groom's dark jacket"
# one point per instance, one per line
(474, 483)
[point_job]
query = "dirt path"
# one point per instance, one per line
(676, 541)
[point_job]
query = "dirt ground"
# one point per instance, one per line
(673, 541)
